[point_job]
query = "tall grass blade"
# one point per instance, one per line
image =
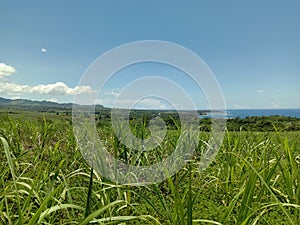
(190, 198)
(58, 207)
(93, 215)
(12, 170)
(89, 197)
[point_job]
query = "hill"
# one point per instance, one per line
(39, 106)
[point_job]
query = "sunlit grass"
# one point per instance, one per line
(44, 180)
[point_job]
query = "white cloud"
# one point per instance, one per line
(274, 105)
(113, 92)
(53, 100)
(43, 50)
(146, 103)
(58, 88)
(149, 103)
(13, 89)
(261, 91)
(15, 97)
(6, 70)
(113, 98)
(237, 106)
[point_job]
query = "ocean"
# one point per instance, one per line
(242, 113)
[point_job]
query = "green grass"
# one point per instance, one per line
(254, 179)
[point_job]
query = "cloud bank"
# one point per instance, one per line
(58, 88)
(6, 70)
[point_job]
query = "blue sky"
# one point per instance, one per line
(252, 47)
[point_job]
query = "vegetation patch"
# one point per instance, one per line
(253, 180)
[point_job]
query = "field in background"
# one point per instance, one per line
(255, 178)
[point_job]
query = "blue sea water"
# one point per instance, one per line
(242, 113)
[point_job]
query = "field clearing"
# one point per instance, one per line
(255, 179)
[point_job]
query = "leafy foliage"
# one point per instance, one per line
(254, 179)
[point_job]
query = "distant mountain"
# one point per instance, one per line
(29, 105)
